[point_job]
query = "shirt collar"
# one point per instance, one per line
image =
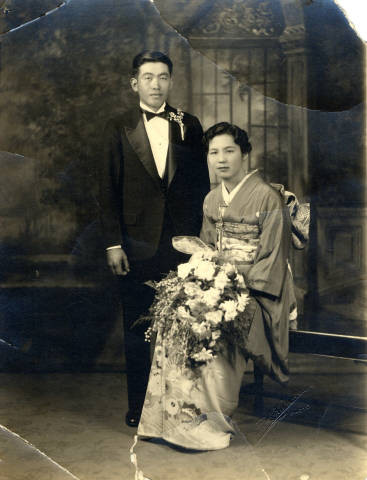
(145, 107)
(228, 196)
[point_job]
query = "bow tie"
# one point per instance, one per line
(151, 115)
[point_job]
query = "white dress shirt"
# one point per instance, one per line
(158, 134)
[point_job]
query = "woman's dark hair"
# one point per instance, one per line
(239, 136)
(150, 56)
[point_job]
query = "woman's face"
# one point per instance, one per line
(226, 159)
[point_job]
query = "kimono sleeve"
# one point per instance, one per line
(268, 272)
(208, 232)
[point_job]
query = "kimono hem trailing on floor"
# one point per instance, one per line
(193, 408)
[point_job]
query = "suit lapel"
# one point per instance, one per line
(172, 152)
(139, 141)
(175, 142)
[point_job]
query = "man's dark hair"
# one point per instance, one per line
(150, 56)
(239, 136)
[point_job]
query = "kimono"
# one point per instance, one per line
(193, 409)
(257, 229)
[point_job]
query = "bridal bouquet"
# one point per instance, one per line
(201, 308)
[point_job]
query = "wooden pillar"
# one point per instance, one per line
(293, 44)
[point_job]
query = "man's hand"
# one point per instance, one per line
(117, 261)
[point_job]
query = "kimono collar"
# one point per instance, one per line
(228, 196)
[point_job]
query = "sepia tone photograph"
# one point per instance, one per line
(183, 241)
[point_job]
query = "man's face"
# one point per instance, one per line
(152, 84)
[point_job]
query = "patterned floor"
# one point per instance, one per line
(67, 426)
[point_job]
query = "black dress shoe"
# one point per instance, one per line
(132, 419)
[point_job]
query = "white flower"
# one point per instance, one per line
(178, 117)
(192, 289)
(221, 280)
(201, 330)
(230, 310)
(243, 299)
(195, 259)
(184, 269)
(195, 305)
(214, 317)
(205, 270)
(240, 280)
(203, 356)
(215, 335)
(229, 269)
(210, 254)
(205, 254)
(183, 314)
(211, 297)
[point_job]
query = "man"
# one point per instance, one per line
(153, 182)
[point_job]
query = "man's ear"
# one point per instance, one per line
(134, 84)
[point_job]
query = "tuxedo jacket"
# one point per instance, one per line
(132, 200)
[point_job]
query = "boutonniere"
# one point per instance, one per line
(178, 117)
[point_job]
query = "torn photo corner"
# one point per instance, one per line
(15, 15)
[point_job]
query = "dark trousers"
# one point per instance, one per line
(136, 299)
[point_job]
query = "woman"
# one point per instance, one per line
(247, 220)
